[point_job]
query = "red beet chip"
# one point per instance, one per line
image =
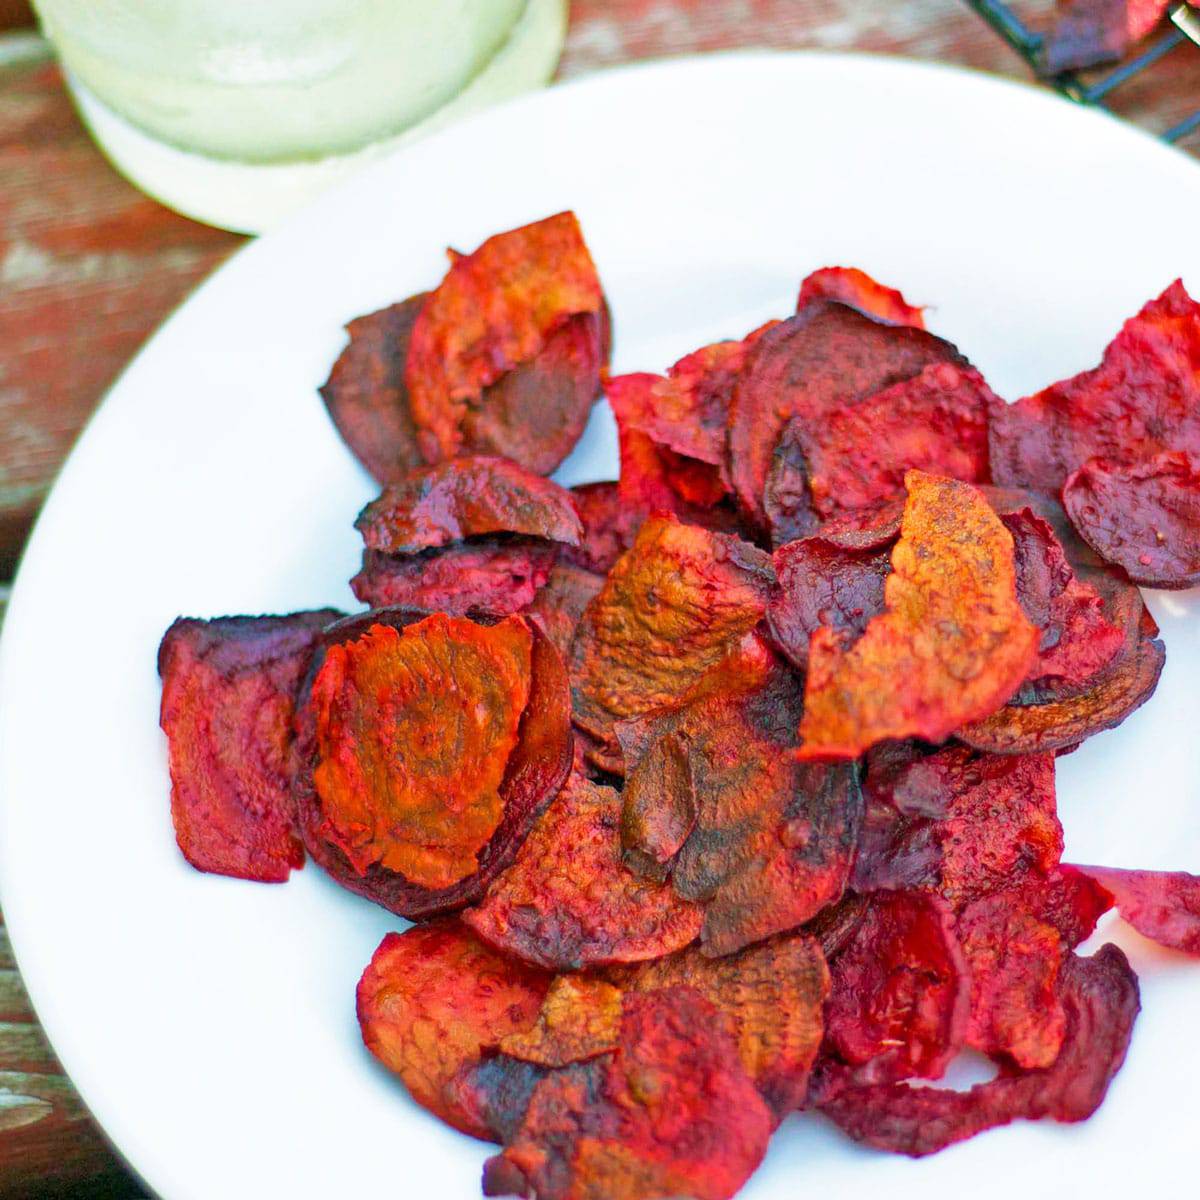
(1077, 638)
(1015, 941)
(1054, 717)
(366, 395)
(1161, 905)
(856, 288)
(956, 823)
(433, 1001)
(1089, 33)
(670, 1113)
(687, 411)
(1143, 399)
(567, 901)
(468, 497)
(560, 604)
(609, 526)
(538, 411)
(488, 576)
(715, 795)
(391, 721)
(821, 583)
(898, 1003)
(857, 455)
(496, 310)
(228, 695)
(826, 358)
(1144, 518)
(1099, 996)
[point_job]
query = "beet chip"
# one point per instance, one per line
(1089, 33)
(1057, 718)
(677, 427)
(856, 288)
(468, 497)
(1099, 996)
(489, 577)
(1015, 960)
(955, 822)
(430, 745)
(433, 1000)
(952, 646)
(899, 1000)
(568, 902)
(426, 811)
(1143, 399)
(670, 1113)
(495, 310)
(770, 997)
(229, 691)
(771, 839)
(856, 456)
(823, 584)
(826, 358)
(559, 605)
(1145, 518)
(674, 605)
(579, 1019)
(609, 526)
(366, 395)
(1161, 905)
(1077, 638)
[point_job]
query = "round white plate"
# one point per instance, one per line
(209, 1023)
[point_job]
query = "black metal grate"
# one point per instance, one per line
(1185, 29)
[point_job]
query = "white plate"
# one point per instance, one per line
(210, 1023)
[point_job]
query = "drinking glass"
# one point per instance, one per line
(235, 111)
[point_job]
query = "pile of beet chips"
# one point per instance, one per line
(726, 790)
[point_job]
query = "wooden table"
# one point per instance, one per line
(89, 267)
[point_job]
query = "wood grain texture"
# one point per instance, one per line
(89, 267)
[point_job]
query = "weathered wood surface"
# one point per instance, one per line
(88, 268)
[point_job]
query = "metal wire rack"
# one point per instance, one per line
(1185, 29)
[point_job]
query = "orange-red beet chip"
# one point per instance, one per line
(485, 577)
(770, 997)
(670, 1113)
(467, 497)
(496, 309)
(772, 838)
(1144, 518)
(1161, 905)
(568, 901)
(955, 822)
(366, 395)
(857, 288)
(951, 646)
(672, 607)
(228, 694)
(857, 455)
(433, 1000)
(825, 358)
(1099, 997)
(430, 744)
(1143, 399)
(580, 1018)
(899, 1001)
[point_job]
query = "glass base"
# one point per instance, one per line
(247, 197)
